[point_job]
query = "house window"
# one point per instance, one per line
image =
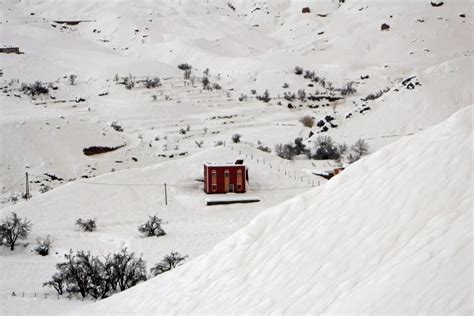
(214, 181)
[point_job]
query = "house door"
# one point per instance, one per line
(226, 180)
(231, 188)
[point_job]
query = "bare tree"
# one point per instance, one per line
(14, 228)
(187, 74)
(128, 271)
(58, 282)
(360, 148)
(168, 263)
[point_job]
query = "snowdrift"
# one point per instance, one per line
(391, 234)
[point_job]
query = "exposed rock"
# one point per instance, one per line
(384, 27)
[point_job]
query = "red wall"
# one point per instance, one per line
(220, 178)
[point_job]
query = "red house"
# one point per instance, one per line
(225, 177)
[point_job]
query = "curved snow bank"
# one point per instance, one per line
(391, 234)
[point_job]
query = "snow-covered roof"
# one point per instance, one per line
(224, 164)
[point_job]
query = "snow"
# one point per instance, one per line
(399, 242)
(391, 234)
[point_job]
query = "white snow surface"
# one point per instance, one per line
(392, 234)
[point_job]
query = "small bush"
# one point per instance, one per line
(285, 151)
(348, 88)
(72, 79)
(116, 126)
(205, 82)
(168, 263)
(301, 95)
(289, 96)
(243, 97)
(43, 245)
(236, 138)
(299, 147)
(88, 225)
(265, 97)
(14, 228)
(307, 121)
(152, 227)
(185, 66)
(129, 82)
(298, 70)
(44, 189)
(309, 74)
(376, 95)
(152, 82)
(261, 147)
(325, 149)
(34, 89)
(286, 85)
(216, 86)
(253, 92)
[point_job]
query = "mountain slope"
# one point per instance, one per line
(391, 234)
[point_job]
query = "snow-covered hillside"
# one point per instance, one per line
(98, 140)
(391, 235)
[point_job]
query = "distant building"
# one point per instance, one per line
(225, 177)
(10, 50)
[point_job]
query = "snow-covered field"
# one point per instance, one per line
(392, 234)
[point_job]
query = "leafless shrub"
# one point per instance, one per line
(152, 227)
(43, 245)
(88, 225)
(298, 70)
(236, 138)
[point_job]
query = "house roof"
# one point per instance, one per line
(238, 162)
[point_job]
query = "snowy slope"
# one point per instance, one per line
(391, 234)
(120, 202)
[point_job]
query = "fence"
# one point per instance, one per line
(49, 296)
